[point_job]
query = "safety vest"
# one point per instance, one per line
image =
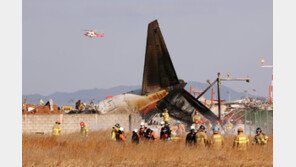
(113, 133)
(166, 117)
(84, 131)
(228, 126)
(261, 139)
(56, 131)
(241, 142)
(196, 117)
(217, 140)
(201, 138)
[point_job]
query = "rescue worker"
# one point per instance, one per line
(191, 137)
(165, 133)
(141, 130)
(56, 130)
(120, 135)
(217, 140)
(228, 126)
(114, 131)
(201, 137)
(150, 135)
(238, 122)
(166, 116)
(161, 126)
(196, 117)
(179, 128)
(135, 137)
(241, 141)
(198, 124)
(260, 138)
(218, 125)
(83, 129)
(195, 124)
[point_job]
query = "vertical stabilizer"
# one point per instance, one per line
(159, 72)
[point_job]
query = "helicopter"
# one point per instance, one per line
(92, 34)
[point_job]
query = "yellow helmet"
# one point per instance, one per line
(240, 129)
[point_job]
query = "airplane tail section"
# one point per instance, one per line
(159, 72)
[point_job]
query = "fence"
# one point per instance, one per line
(258, 118)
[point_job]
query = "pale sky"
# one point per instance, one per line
(203, 37)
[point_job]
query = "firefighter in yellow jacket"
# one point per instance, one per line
(56, 130)
(241, 141)
(196, 117)
(201, 137)
(83, 130)
(166, 116)
(217, 140)
(228, 126)
(260, 138)
(115, 130)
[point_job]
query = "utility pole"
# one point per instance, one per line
(218, 80)
(219, 100)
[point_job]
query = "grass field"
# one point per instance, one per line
(98, 150)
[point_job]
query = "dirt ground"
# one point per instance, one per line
(99, 150)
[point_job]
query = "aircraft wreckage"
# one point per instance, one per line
(161, 87)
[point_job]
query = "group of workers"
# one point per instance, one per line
(226, 125)
(56, 130)
(199, 138)
(144, 132)
(241, 141)
(197, 135)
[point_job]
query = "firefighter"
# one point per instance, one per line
(150, 135)
(239, 122)
(191, 137)
(141, 131)
(161, 126)
(218, 125)
(83, 130)
(196, 117)
(166, 116)
(114, 131)
(120, 135)
(241, 141)
(179, 128)
(260, 138)
(165, 133)
(222, 122)
(135, 137)
(217, 140)
(195, 124)
(56, 130)
(228, 126)
(201, 137)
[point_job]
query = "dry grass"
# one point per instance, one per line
(98, 150)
